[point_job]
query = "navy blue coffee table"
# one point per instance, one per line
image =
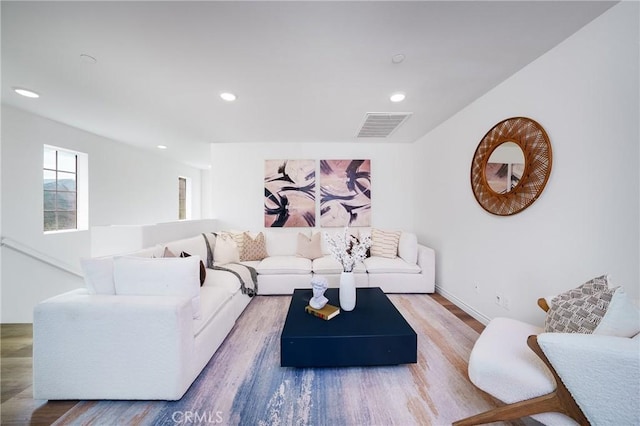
(374, 333)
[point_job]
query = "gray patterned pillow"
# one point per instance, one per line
(581, 309)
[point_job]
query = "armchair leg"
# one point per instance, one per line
(559, 401)
(541, 404)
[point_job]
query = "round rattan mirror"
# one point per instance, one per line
(523, 181)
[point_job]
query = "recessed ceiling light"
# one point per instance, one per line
(162, 147)
(396, 59)
(26, 92)
(229, 97)
(397, 97)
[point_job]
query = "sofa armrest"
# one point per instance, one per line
(108, 346)
(600, 372)
(427, 262)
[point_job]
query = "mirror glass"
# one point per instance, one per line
(505, 167)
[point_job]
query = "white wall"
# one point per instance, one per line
(237, 179)
(126, 186)
(584, 93)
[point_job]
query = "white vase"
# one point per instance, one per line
(347, 291)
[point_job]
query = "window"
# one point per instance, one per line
(182, 198)
(64, 205)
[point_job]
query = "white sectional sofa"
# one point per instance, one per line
(412, 271)
(89, 345)
(119, 339)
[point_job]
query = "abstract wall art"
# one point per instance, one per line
(345, 193)
(289, 193)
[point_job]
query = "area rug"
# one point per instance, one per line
(243, 384)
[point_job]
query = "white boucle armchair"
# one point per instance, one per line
(556, 378)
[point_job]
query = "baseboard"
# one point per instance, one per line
(462, 305)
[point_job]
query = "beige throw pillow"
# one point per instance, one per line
(385, 243)
(310, 248)
(253, 248)
(226, 250)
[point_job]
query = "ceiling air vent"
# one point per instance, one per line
(382, 124)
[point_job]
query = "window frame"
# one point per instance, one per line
(80, 192)
(187, 198)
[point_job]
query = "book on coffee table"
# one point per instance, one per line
(326, 313)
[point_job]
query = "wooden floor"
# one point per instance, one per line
(18, 406)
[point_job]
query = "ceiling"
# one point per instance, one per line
(302, 71)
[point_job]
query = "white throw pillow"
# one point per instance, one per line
(226, 250)
(622, 318)
(98, 275)
(408, 248)
(173, 276)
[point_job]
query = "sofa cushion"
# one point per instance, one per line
(98, 275)
(251, 263)
(203, 269)
(309, 248)
(223, 279)
(212, 299)
(159, 277)
(194, 246)
(500, 350)
(408, 247)
(253, 248)
(328, 265)
(283, 242)
(275, 265)
(384, 243)
(237, 236)
(226, 250)
(384, 265)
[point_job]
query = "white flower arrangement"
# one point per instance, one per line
(347, 249)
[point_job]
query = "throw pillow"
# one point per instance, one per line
(237, 236)
(581, 309)
(253, 248)
(98, 275)
(158, 277)
(226, 250)
(385, 243)
(622, 318)
(203, 270)
(310, 248)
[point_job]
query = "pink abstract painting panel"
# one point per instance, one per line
(345, 193)
(289, 193)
